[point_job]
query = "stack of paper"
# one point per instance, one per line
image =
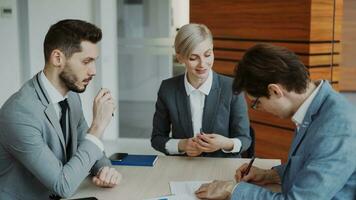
(173, 197)
(182, 190)
(186, 187)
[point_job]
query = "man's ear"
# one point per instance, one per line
(275, 90)
(57, 58)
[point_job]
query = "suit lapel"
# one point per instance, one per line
(53, 118)
(211, 105)
(183, 105)
(49, 109)
(299, 135)
(312, 111)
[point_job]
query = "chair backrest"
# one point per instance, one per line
(250, 152)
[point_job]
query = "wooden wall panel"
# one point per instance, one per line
(268, 119)
(310, 28)
(348, 79)
(336, 86)
(309, 60)
(224, 67)
(322, 20)
(227, 67)
(239, 44)
(316, 48)
(348, 62)
(272, 142)
(254, 18)
(325, 73)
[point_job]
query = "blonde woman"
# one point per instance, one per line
(199, 107)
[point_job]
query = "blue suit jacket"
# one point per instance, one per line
(224, 113)
(322, 161)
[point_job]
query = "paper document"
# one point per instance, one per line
(186, 188)
(174, 197)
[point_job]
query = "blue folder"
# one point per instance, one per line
(137, 160)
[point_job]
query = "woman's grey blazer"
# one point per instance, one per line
(224, 113)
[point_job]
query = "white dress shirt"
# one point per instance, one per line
(197, 101)
(55, 97)
(298, 116)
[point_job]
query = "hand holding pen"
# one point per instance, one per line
(108, 93)
(247, 170)
(255, 175)
(103, 107)
(243, 173)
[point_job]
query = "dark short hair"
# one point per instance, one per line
(66, 35)
(265, 64)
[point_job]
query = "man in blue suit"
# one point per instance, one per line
(321, 161)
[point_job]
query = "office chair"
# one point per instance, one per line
(250, 152)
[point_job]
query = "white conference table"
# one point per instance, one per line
(149, 182)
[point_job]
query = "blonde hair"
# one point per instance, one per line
(189, 36)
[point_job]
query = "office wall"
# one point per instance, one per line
(34, 21)
(42, 14)
(21, 39)
(10, 73)
(144, 56)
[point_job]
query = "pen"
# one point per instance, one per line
(248, 167)
(112, 114)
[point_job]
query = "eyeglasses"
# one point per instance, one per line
(255, 103)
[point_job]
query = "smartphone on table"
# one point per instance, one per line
(118, 156)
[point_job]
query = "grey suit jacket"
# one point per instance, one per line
(224, 113)
(33, 160)
(322, 161)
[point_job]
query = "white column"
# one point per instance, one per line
(107, 65)
(10, 74)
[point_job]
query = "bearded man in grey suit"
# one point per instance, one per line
(46, 146)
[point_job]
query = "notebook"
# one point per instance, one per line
(137, 160)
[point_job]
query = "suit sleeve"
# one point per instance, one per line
(239, 122)
(100, 163)
(24, 141)
(161, 124)
(280, 170)
(323, 173)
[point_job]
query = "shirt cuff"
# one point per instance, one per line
(95, 140)
(172, 146)
(234, 188)
(236, 148)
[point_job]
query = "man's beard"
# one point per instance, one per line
(69, 80)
